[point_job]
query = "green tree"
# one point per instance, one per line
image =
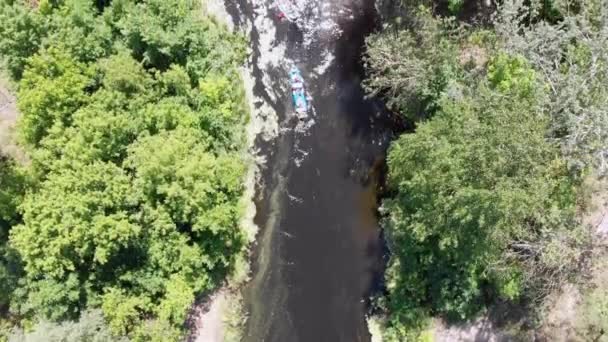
(75, 229)
(133, 117)
(221, 108)
(76, 27)
(162, 33)
(576, 81)
(481, 200)
(21, 34)
(52, 89)
(198, 190)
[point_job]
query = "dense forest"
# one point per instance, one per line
(485, 195)
(132, 119)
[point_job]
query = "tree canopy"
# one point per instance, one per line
(482, 196)
(132, 113)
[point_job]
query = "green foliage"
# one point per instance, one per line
(21, 33)
(10, 271)
(125, 75)
(12, 185)
(178, 298)
(222, 110)
(79, 218)
(73, 24)
(52, 88)
(511, 74)
(89, 328)
(577, 81)
(76, 27)
(411, 67)
(157, 331)
(133, 118)
(162, 33)
(454, 168)
(478, 190)
(123, 311)
(454, 6)
(556, 11)
(198, 190)
(481, 197)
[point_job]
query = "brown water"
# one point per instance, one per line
(319, 253)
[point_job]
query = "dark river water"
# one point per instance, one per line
(319, 254)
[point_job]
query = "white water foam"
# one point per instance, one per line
(327, 61)
(316, 20)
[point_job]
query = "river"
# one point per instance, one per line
(319, 253)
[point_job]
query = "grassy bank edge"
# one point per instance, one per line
(233, 314)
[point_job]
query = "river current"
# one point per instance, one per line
(319, 253)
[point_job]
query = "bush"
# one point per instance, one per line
(89, 328)
(576, 82)
(411, 67)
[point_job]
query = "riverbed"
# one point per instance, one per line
(319, 254)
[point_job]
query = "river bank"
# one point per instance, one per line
(220, 316)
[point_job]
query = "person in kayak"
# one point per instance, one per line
(298, 92)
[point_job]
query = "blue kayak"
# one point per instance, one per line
(298, 93)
